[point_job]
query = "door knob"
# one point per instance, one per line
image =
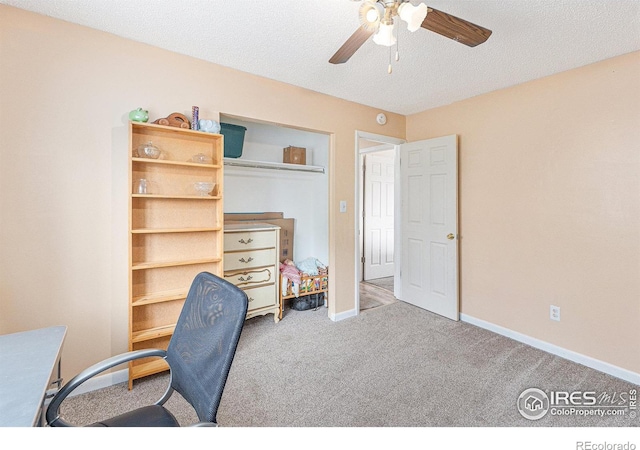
(450, 236)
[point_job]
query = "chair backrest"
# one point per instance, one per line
(204, 342)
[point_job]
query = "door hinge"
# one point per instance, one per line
(362, 260)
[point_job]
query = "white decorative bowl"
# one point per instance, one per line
(148, 150)
(204, 188)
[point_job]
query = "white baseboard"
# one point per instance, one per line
(343, 315)
(102, 381)
(579, 358)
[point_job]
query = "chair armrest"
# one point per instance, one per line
(53, 410)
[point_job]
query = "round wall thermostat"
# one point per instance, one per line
(381, 119)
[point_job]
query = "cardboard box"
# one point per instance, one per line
(295, 155)
(286, 237)
(274, 218)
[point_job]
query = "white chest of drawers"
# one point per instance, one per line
(251, 262)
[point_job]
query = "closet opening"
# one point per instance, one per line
(282, 177)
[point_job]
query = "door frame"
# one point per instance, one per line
(385, 141)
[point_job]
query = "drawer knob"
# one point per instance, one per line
(248, 241)
(249, 278)
(250, 299)
(242, 260)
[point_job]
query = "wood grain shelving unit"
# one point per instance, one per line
(175, 232)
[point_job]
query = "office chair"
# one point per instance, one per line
(199, 355)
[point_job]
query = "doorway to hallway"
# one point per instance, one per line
(376, 293)
(378, 271)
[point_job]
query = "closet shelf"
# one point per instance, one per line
(272, 165)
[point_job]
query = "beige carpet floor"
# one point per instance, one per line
(394, 366)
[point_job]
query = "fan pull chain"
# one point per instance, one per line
(389, 70)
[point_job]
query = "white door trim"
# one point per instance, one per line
(384, 140)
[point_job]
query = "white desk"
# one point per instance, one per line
(27, 362)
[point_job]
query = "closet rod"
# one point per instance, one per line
(273, 166)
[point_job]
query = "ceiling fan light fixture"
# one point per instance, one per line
(413, 15)
(371, 14)
(385, 36)
(377, 20)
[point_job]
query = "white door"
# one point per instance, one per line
(378, 223)
(429, 184)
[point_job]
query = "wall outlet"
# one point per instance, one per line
(554, 313)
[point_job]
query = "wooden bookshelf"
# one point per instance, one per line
(175, 231)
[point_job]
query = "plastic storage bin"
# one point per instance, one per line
(233, 139)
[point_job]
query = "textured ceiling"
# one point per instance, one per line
(292, 41)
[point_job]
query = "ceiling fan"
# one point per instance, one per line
(377, 19)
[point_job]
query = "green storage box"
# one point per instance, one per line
(233, 139)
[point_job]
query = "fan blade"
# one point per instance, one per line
(455, 28)
(351, 45)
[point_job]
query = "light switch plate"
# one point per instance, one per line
(343, 206)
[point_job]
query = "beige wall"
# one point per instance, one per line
(550, 206)
(549, 186)
(65, 92)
